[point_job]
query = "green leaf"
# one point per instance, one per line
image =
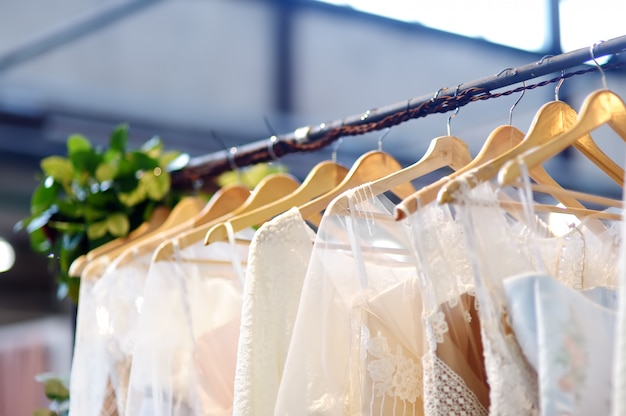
(55, 390)
(44, 412)
(130, 199)
(77, 143)
(119, 138)
(127, 183)
(43, 198)
(96, 230)
(153, 147)
(67, 227)
(142, 161)
(156, 186)
(59, 168)
(39, 241)
(118, 224)
(105, 172)
(86, 161)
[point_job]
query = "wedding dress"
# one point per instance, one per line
(502, 245)
(455, 380)
(357, 341)
(185, 350)
(278, 259)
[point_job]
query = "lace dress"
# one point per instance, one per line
(455, 380)
(357, 341)
(185, 350)
(278, 259)
(502, 245)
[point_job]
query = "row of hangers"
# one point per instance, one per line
(505, 154)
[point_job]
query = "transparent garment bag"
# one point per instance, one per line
(357, 341)
(185, 350)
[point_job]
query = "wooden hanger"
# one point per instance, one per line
(269, 189)
(185, 209)
(552, 119)
(323, 177)
(503, 138)
(443, 151)
(227, 199)
(156, 219)
(599, 108)
(370, 166)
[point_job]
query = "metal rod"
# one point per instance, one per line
(315, 137)
(87, 23)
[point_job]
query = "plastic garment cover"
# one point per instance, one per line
(567, 336)
(186, 343)
(357, 343)
(89, 376)
(277, 263)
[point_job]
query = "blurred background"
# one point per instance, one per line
(190, 70)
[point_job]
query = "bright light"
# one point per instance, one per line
(521, 25)
(7, 255)
(584, 23)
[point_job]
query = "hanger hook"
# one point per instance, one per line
(515, 104)
(382, 137)
(231, 160)
(456, 91)
(334, 153)
(558, 86)
(270, 148)
(593, 57)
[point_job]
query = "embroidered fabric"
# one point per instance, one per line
(185, 351)
(567, 336)
(278, 259)
(357, 341)
(493, 235)
(454, 374)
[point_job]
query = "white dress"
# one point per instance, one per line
(357, 344)
(88, 378)
(186, 343)
(278, 259)
(502, 245)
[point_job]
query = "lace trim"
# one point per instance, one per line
(393, 375)
(445, 393)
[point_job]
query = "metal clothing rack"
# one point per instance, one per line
(310, 138)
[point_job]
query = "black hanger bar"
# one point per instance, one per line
(310, 138)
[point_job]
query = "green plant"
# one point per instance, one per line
(58, 394)
(95, 195)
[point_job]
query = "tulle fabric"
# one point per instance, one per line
(357, 341)
(185, 351)
(502, 244)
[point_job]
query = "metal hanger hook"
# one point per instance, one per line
(593, 57)
(270, 148)
(382, 137)
(334, 153)
(231, 160)
(515, 104)
(558, 86)
(456, 91)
